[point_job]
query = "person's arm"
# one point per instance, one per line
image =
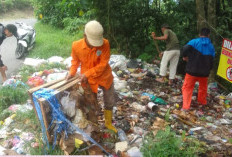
(100, 68)
(74, 63)
(164, 37)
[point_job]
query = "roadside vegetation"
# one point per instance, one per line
(9, 5)
(167, 143)
(52, 41)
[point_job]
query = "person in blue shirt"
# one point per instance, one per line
(199, 54)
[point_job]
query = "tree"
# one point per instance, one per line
(200, 11)
(212, 18)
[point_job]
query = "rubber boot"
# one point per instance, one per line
(108, 120)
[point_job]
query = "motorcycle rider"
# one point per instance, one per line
(9, 31)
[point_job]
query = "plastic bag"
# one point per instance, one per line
(34, 62)
(55, 59)
(118, 61)
(119, 84)
(68, 105)
(56, 76)
(35, 81)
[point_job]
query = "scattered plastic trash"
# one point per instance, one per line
(154, 107)
(9, 120)
(56, 76)
(55, 59)
(122, 135)
(134, 152)
(118, 61)
(67, 61)
(119, 84)
(134, 64)
(142, 106)
(35, 81)
(213, 86)
(121, 146)
(34, 62)
(138, 107)
(68, 105)
(13, 82)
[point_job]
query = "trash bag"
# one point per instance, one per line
(134, 64)
(68, 105)
(118, 61)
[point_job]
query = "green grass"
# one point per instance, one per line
(167, 143)
(52, 41)
(10, 95)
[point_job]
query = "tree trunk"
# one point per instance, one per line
(200, 11)
(212, 18)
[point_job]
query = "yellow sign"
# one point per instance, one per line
(225, 64)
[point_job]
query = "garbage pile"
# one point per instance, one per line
(142, 106)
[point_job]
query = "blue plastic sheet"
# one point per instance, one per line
(58, 118)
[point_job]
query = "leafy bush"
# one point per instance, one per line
(75, 25)
(21, 4)
(7, 5)
(166, 143)
(146, 57)
(26, 71)
(54, 12)
(12, 95)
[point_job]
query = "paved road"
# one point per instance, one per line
(8, 50)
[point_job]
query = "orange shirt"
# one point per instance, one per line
(94, 63)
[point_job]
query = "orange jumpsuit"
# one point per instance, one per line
(94, 63)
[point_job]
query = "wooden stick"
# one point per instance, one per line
(45, 120)
(61, 83)
(157, 47)
(44, 85)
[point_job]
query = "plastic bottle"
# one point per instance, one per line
(157, 100)
(9, 120)
(122, 135)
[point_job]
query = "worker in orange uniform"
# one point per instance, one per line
(93, 53)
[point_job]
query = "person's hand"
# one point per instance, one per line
(68, 77)
(153, 35)
(83, 78)
(4, 68)
(185, 59)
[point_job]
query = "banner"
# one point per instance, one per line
(225, 63)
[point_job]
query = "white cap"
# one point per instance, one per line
(94, 33)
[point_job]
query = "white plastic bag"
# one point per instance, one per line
(55, 59)
(56, 76)
(34, 62)
(118, 61)
(68, 105)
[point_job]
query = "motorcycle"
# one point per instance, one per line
(25, 39)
